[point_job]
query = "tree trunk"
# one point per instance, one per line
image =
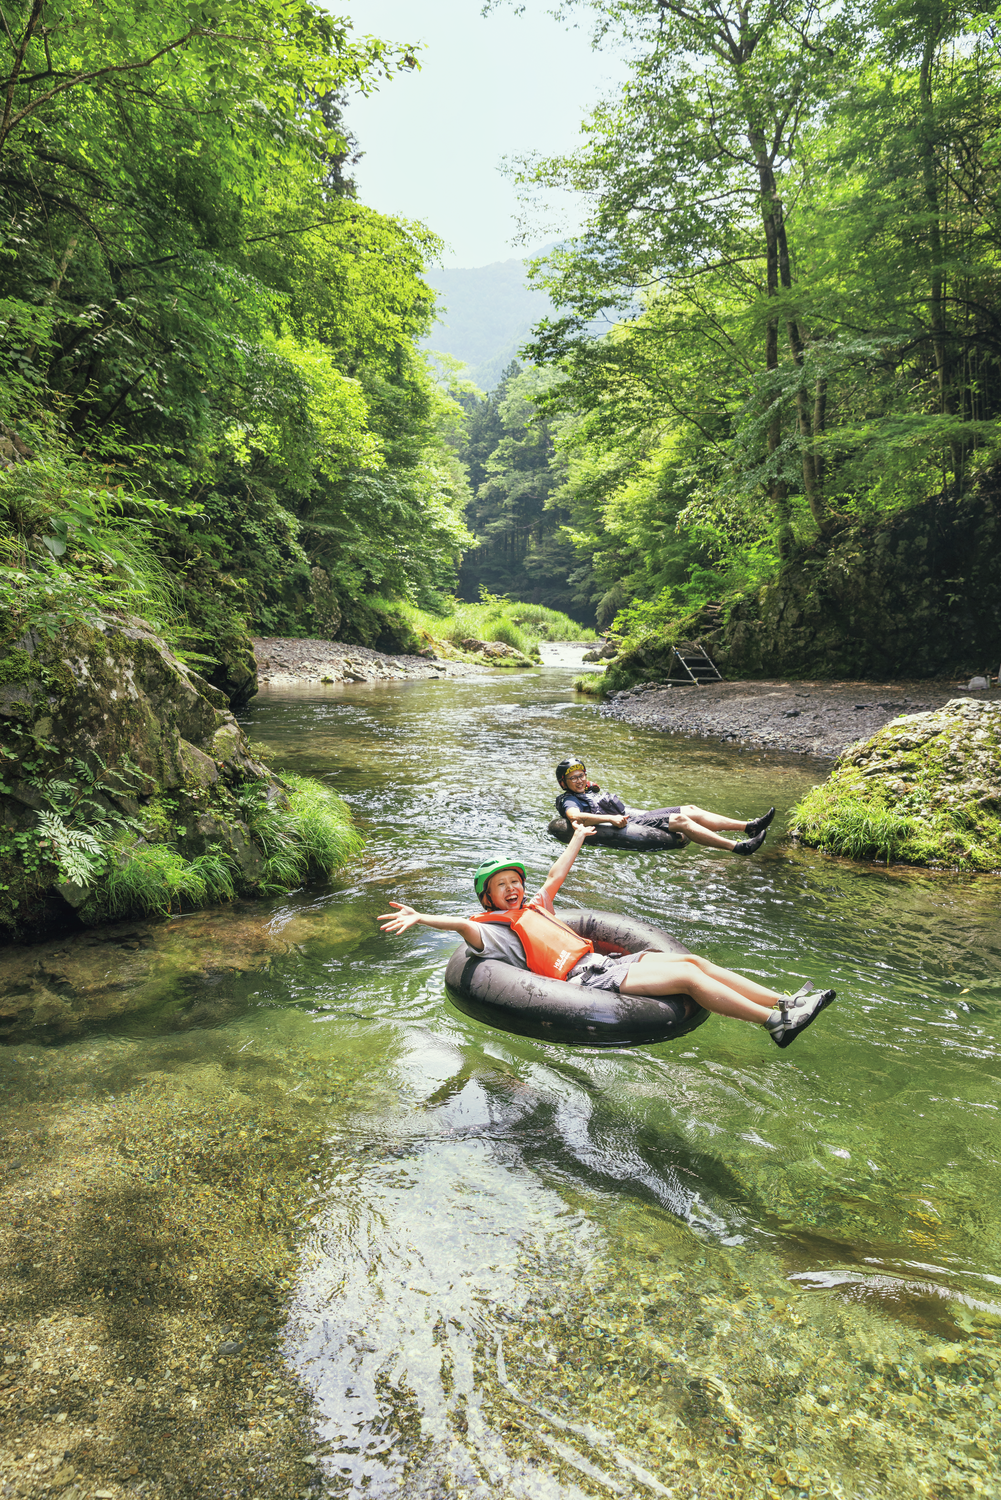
(936, 246)
(778, 489)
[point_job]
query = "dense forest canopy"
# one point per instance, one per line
(795, 229)
(212, 348)
(197, 306)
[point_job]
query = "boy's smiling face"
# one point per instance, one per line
(576, 781)
(505, 891)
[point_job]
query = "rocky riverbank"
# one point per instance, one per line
(802, 718)
(127, 787)
(283, 662)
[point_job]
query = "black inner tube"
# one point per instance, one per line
(635, 835)
(518, 1001)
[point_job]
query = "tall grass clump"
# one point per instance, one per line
(155, 880)
(307, 833)
(590, 683)
(870, 829)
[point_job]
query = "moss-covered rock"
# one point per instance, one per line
(126, 786)
(925, 790)
(497, 653)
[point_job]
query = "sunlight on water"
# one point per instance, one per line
(705, 1268)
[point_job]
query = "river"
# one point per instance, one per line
(704, 1268)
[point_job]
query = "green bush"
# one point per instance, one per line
(309, 833)
(154, 879)
(75, 546)
(504, 629)
(522, 626)
(591, 683)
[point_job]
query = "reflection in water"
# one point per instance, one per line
(526, 1270)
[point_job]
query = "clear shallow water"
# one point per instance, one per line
(706, 1268)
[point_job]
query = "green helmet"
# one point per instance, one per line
(493, 867)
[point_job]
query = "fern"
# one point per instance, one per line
(77, 854)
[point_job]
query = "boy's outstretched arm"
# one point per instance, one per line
(561, 869)
(405, 917)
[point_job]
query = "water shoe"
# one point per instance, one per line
(749, 846)
(758, 825)
(785, 1026)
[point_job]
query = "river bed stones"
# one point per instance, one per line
(58, 988)
(805, 718)
(288, 662)
(143, 1235)
(924, 790)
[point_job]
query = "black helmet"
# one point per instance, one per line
(574, 763)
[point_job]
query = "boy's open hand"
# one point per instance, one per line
(584, 831)
(400, 920)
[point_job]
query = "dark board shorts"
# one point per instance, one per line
(654, 815)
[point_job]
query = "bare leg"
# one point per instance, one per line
(714, 988)
(713, 821)
(698, 832)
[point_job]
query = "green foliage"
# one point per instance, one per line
(75, 546)
(307, 834)
(520, 545)
(75, 825)
(519, 625)
(857, 827)
(794, 219)
(153, 880)
(591, 684)
(191, 292)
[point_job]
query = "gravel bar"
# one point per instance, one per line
(286, 662)
(804, 718)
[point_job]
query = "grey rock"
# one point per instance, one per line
(977, 685)
(113, 697)
(231, 1346)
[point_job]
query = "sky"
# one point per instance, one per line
(488, 88)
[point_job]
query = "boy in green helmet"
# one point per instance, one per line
(500, 886)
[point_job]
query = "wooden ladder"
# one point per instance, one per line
(690, 662)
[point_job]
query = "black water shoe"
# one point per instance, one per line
(785, 1026)
(758, 825)
(749, 846)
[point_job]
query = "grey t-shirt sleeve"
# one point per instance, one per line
(501, 943)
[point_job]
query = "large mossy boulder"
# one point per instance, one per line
(925, 790)
(127, 786)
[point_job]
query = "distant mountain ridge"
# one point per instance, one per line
(487, 313)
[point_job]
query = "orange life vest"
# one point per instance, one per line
(551, 947)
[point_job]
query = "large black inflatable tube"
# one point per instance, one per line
(515, 1000)
(633, 836)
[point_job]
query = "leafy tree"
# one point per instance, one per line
(794, 211)
(192, 292)
(520, 548)
(686, 172)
